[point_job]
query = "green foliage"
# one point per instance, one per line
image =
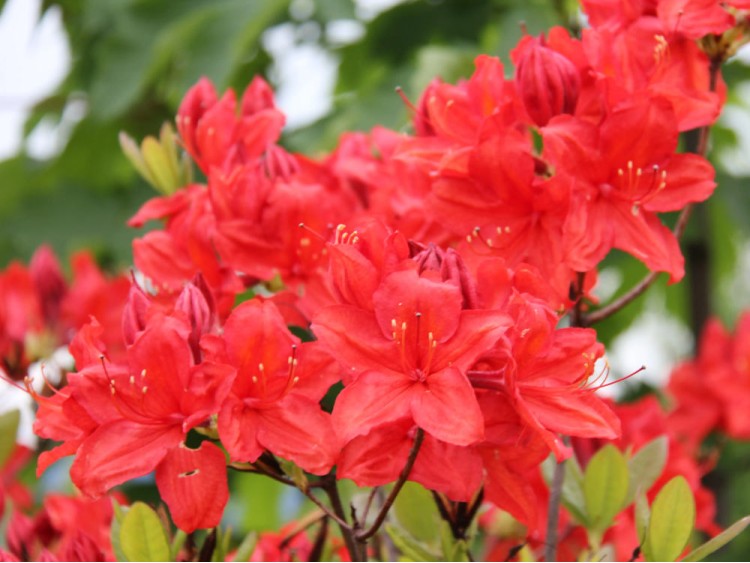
(719, 541)
(671, 521)
(605, 486)
(8, 429)
(415, 511)
(646, 466)
(142, 537)
(246, 547)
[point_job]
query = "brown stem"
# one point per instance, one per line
(445, 512)
(364, 535)
(316, 553)
(553, 512)
(259, 466)
(332, 515)
(474, 508)
(347, 531)
(370, 498)
(261, 469)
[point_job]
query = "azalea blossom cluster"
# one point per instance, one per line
(424, 277)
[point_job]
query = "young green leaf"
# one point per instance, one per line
(177, 542)
(114, 531)
(410, 548)
(642, 516)
(295, 473)
(671, 523)
(245, 549)
(717, 542)
(646, 466)
(605, 485)
(415, 512)
(142, 537)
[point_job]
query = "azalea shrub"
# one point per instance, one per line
(402, 330)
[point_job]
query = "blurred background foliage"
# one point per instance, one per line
(133, 60)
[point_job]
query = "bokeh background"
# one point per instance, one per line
(74, 73)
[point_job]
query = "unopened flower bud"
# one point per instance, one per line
(49, 282)
(199, 309)
(452, 268)
(134, 315)
(547, 82)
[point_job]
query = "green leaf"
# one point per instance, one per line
(415, 511)
(717, 542)
(605, 485)
(460, 552)
(8, 430)
(114, 532)
(177, 542)
(671, 523)
(295, 472)
(142, 536)
(646, 466)
(222, 544)
(411, 548)
(246, 548)
(642, 516)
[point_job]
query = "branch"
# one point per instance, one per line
(364, 535)
(343, 524)
(640, 287)
(370, 498)
(262, 468)
(347, 531)
(553, 511)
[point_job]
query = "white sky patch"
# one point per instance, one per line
(304, 75)
(36, 58)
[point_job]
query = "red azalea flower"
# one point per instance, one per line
(131, 419)
(622, 174)
(274, 402)
(408, 358)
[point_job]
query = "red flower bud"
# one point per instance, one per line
(196, 302)
(451, 267)
(547, 82)
(134, 315)
(49, 282)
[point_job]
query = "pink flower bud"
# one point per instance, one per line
(547, 82)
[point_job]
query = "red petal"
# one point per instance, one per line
(238, 429)
(119, 451)
(445, 406)
(300, 431)
(193, 483)
(373, 399)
